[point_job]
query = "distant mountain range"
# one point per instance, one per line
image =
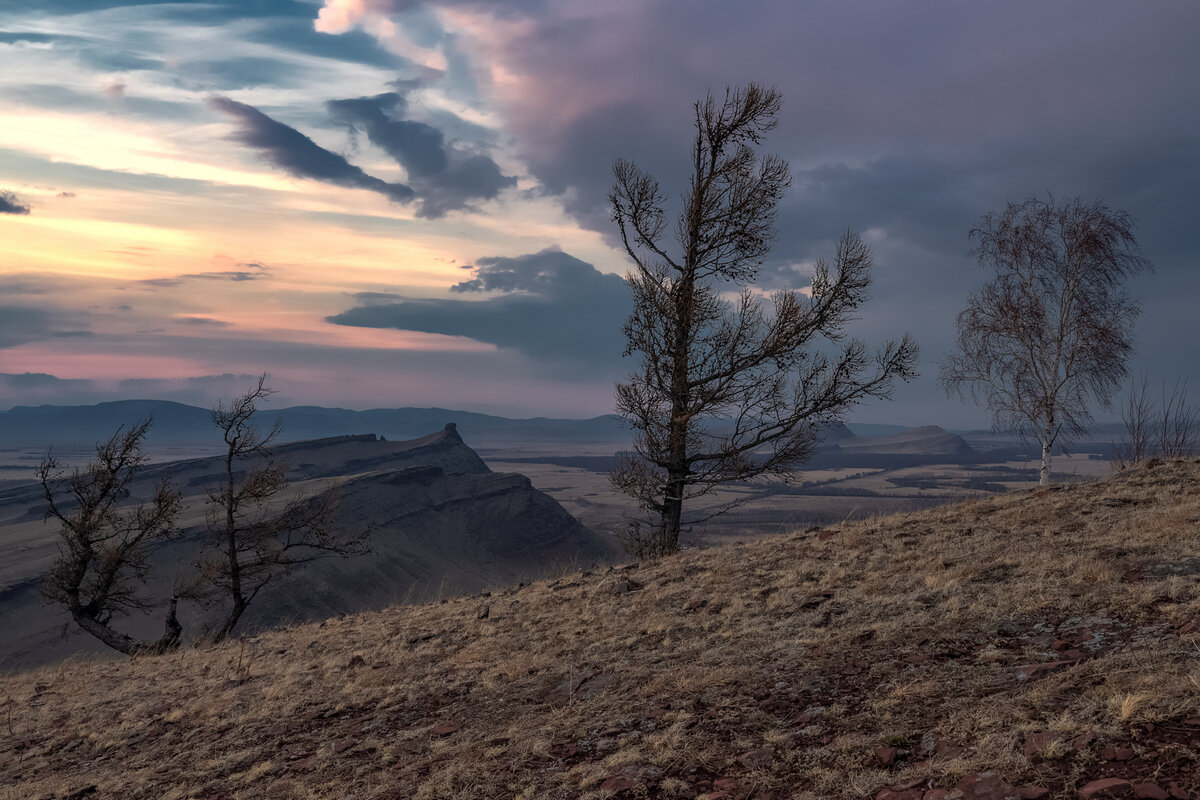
(176, 423)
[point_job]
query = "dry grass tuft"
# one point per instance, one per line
(1027, 634)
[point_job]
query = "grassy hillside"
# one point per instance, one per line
(1043, 643)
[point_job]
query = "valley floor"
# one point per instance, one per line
(1040, 643)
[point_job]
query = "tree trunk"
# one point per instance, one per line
(1044, 473)
(123, 643)
(231, 552)
(677, 469)
(231, 620)
(114, 639)
(672, 516)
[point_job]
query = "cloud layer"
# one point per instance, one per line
(446, 178)
(547, 305)
(291, 150)
(11, 204)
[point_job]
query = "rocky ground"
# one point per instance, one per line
(1043, 643)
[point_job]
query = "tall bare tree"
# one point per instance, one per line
(256, 537)
(728, 389)
(1051, 331)
(1169, 428)
(103, 547)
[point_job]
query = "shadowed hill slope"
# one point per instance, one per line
(926, 440)
(1037, 644)
(441, 524)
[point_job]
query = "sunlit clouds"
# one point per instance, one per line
(197, 190)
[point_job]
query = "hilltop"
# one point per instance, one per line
(1040, 643)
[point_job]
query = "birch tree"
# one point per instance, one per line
(1049, 334)
(730, 389)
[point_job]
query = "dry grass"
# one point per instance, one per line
(780, 666)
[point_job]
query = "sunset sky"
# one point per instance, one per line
(391, 203)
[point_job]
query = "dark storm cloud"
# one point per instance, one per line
(548, 305)
(445, 177)
(417, 147)
(11, 204)
(907, 121)
(23, 324)
(921, 116)
(299, 155)
(39, 387)
(27, 380)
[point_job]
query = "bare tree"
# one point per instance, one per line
(254, 536)
(727, 389)
(103, 546)
(1050, 333)
(1170, 430)
(1136, 414)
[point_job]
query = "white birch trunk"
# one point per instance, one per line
(1047, 443)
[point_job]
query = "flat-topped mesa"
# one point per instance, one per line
(348, 455)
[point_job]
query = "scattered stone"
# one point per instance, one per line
(759, 757)
(619, 783)
(1189, 628)
(1132, 576)
(619, 586)
(905, 794)
(1150, 791)
(1123, 754)
(1182, 567)
(726, 785)
(826, 535)
(886, 756)
(1032, 792)
(445, 729)
(816, 600)
(984, 786)
(1106, 787)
